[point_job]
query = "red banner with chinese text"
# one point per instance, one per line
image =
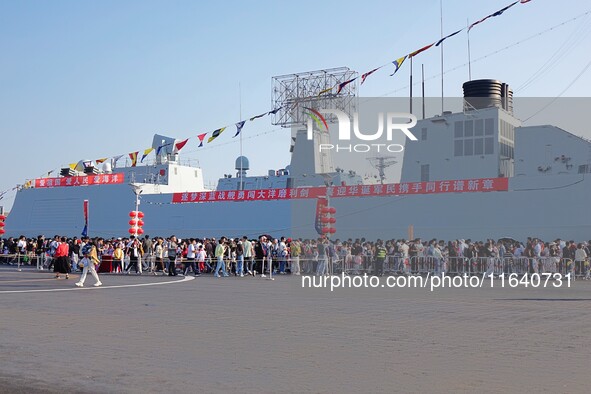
(434, 187)
(85, 180)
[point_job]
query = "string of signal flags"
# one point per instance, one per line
(136, 157)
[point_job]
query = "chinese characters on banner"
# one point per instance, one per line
(86, 180)
(452, 186)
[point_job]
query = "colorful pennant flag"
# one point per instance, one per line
(318, 118)
(181, 145)
(258, 116)
(446, 37)
(72, 166)
(367, 74)
(239, 127)
(146, 153)
(397, 63)
(160, 148)
(499, 12)
(315, 115)
(201, 137)
(343, 84)
(412, 54)
(217, 132)
(133, 157)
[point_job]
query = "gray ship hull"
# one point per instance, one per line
(548, 207)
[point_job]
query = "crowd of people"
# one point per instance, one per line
(268, 255)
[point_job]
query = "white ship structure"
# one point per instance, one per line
(473, 174)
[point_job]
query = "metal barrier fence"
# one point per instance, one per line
(393, 265)
(423, 265)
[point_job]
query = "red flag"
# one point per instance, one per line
(181, 144)
(201, 138)
(420, 50)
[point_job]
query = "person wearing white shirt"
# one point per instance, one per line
(191, 255)
(404, 248)
(248, 254)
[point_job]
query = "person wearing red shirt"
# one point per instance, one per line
(62, 259)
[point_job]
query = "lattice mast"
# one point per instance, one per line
(312, 89)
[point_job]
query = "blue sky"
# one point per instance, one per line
(91, 79)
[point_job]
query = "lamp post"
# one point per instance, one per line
(137, 190)
(328, 184)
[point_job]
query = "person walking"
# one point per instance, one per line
(134, 251)
(118, 257)
(220, 250)
(191, 256)
(239, 258)
(200, 257)
(89, 263)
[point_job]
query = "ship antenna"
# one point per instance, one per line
(441, 32)
(240, 117)
(469, 57)
(380, 163)
(410, 99)
(423, 87)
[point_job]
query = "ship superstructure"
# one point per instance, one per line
(474, 174)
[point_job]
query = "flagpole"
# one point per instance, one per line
(441, 30)
(423, 87)
(241, 186)
(410, 100)
(469, 61)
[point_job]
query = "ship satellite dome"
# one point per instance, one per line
(242, 163)
(107, 167)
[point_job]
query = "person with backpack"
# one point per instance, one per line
(89, 262)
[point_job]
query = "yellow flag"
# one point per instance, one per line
(146, 153)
